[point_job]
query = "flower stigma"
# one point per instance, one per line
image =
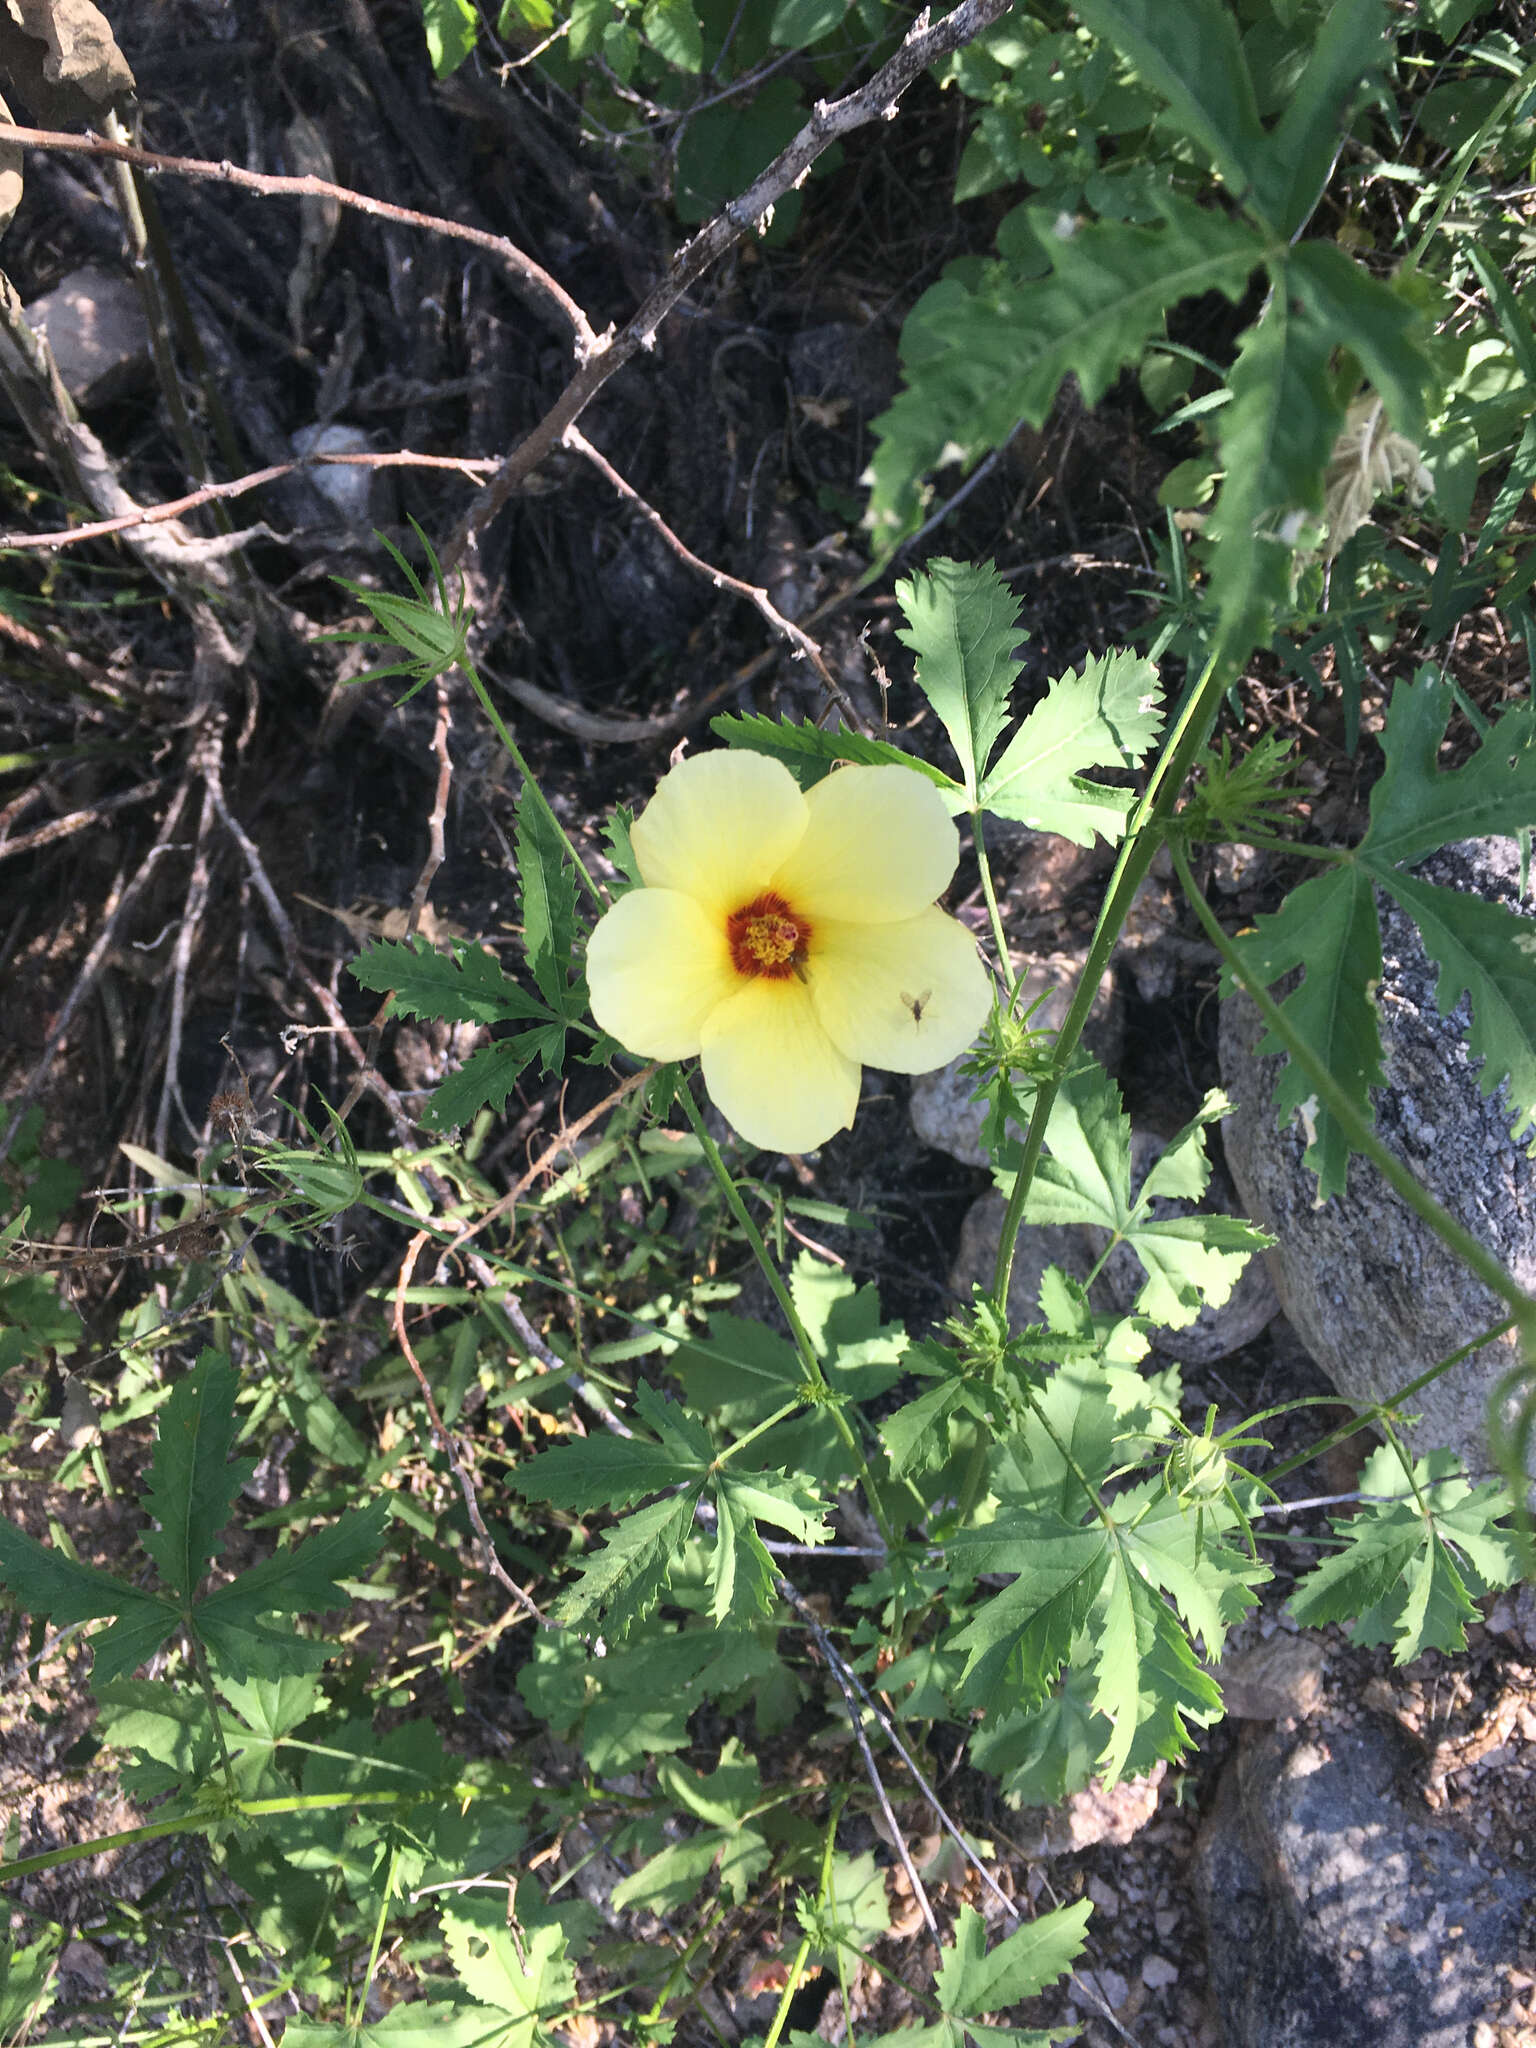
(768, 938)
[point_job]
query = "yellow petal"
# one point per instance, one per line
(773, 1072)
(718, 826)
(879, 846)
(905, 997)
(657, 964)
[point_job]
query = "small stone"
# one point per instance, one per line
(1278, 1680)
(94, 323)
(347, 487)
(1157, 1973)
(1106, 1900)
(1112, 1987)
(1165, 1922)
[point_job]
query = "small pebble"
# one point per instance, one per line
(1157, 1973)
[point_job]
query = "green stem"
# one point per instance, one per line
(1378, 1410)
(999, 936)
(379, 1924)
(191, 1824)
(1466, 157)
(815, 1377)
(205, 1679)
(1361, 1136)
(758, 1429)
(1144, 835)
(530, 783)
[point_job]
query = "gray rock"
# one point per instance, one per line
(351, 492)
(1371, 1291)
(94, 323)
(1040, 1245)
(1336, 1913)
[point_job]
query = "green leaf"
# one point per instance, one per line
(852, 1913)
(614, 1471)
(1275, 439)
(672, 29)
(980, 359)
(1416, 807)
(799, 23)
(1190, 1261)
(548, 888)
(1406, 1573)
(1386, 332)
(963, 626)
(1328, 927)
(489, 1075)
(811, 754)
(450, 26)
(1107, 716)
(463, 986)
(193, 1483)
(1017, 1642)
(302, 1580)
(588, 20)
(624, 1578)
(1348, 47)
(429, 2023)
(1190, 51)
(971, 1981)
(525, 1972)
(46, 1582)
(25, 1976)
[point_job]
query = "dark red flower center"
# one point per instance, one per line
(767, 937)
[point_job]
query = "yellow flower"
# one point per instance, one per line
(789, 939)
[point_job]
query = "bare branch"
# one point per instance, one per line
(875, 100)
(472, 467)
(801, 642)
(537, 286)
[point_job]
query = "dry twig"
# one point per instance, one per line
(446, 1441)
(534, 282)
(924, 44)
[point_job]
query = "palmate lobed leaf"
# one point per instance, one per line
(1417, 806)
(302, 1580)
(45, 1582)
(622, 1580)
(1407, 1575)
(981, 360)
(1191, 1260)
(1329, 925)
(972, 1980)
(1106, 716)
(463, 986)
(193, 1481)
(963, 626)
(524, 1974)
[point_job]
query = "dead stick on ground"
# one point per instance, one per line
(839, 1666)
(801, 641)
(450, 1450)
(842, 1674)
(474, 468)
(120, 900)
(873, 101)
(538, 286)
